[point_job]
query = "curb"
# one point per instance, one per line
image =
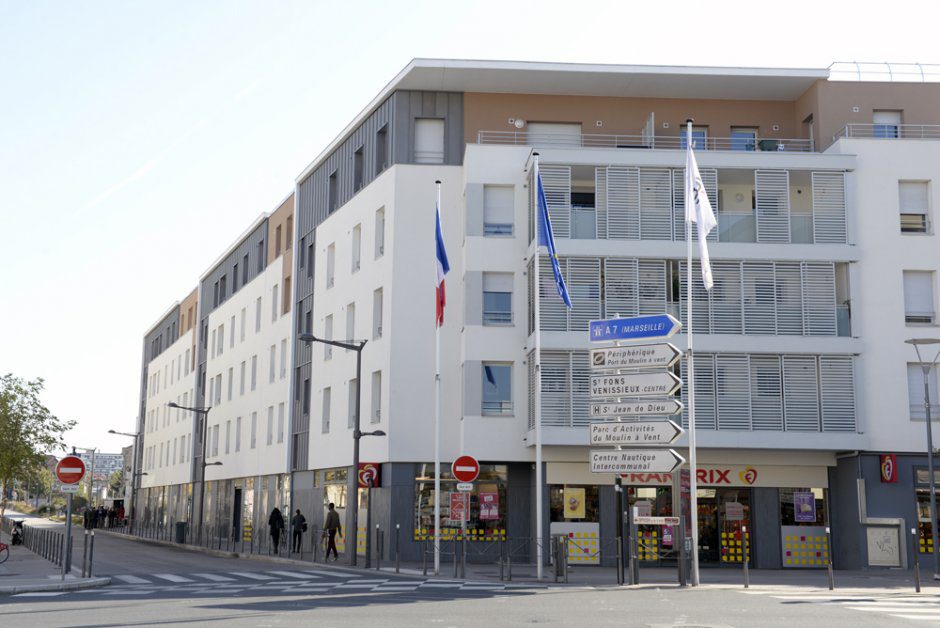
(73, 585)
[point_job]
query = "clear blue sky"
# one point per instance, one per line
(139, 139)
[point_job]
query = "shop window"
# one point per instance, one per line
(488, 503)
(566, 502)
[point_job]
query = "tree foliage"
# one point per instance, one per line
(28, 431)
(116, 484)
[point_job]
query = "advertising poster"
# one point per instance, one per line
(574, 503)
(804, 507)
(489, 506)
(459, 507)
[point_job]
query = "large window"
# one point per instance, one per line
(915, 390)
(488, 502)
(497, 298)
(498, 213)
(914, 207)
(886, 124)
(376, 414)
(356, 242)
(497, 388)
(798, 508)
(918, 297)
(429, 141)
(699, 137)
(743, 138)
(377, 314)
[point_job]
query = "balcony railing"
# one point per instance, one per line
(890, 131)
(596, 140)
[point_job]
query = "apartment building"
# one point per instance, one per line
(824, 261)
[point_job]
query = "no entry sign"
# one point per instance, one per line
(465, 469)
(70, 470)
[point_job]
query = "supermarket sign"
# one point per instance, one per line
(739, 475)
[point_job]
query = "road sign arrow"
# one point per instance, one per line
(634, 432)
(635, 408)
(634, 384)
(635, 356)
(635, 460)
(636, 328)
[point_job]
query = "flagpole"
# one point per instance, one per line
(538, 389)
(437, 427)
(690, 377)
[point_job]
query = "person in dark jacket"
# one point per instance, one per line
(298, 525)
(332, 527)
(276, 524)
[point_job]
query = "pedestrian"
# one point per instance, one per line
(276, 524)
(120, 516)
(298, 525)
(332, 527)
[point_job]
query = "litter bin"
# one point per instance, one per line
(181, 532)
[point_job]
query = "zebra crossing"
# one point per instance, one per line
(915, 607)
(279, 582)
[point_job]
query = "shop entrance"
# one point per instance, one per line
(721, 514)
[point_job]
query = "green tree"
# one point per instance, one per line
(116, 484)
(28, 431)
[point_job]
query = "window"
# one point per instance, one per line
(218, 389)
(231, 374)
(261, 256)
(277, 241)
(379, 232)
(283, 358)
(553, 133)
(241, 388)
(357, 170)
(221, 345)
(498, 213)
(186, 361)
(376, 414)
(238, 434)
(222, 282)
(258, 315)
(245, 269)
(254, 429)
(241, 325)
(328, 335)
(913, 205)
(429, 141)
(497, 388)
(353, 389)
(915, 390)
(310, 260)
(699, 137)
(333, 193)
(377, 314)
(325, 426)
(497, 298)
(235, 278)
(330, 264)
(743, 138)
(254, 372)
(273, 364)
(212, 349)
(270, 425)
(215, 439)
(351, 321)
(306, 399)
(918, 297)
(289, 233)
(231, 333)
(274, 304)
(285, 298)
(886, 124)
(280, 422)
(356, 241)
(228, 435)
(381, 149)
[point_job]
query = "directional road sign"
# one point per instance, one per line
(634, 460)
(634, 384)
(465, 469)
(634, 432)
(633, 408)
(70, 470)
(635, 356)
(636, 328)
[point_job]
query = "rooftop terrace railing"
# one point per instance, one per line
(618, 140)
(890, 131)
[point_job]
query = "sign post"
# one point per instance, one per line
(69, 471)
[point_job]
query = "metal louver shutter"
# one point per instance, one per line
(789, 298)
(530, 362)
(556, 180)
(829, 207)
(600, 202)
(556, 389)
(580, 388)
(552, 311)
(772, 189)
(732, 376)
(652, 286)
(725, 298)
(701, 315)
(837, 383)
(623, 203)
(819, 299)
(705, 406)
(759, 298)
(655, 204)
(620, 287)
(800, 393)
(584, 281)
(530, 287)
(710, 179)
(766, 393)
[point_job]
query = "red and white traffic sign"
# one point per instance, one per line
(465, 469)
(70, 470)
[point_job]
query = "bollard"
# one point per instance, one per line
(397, 548)
(565, 557)
(620, 577)
(508, 559)
(634, 559)
(747, 582)
(829, 561)
(463, 556)
(499, 546)
(454, 546)
(916, 546)
(379, 546)
(85, 554)
(424, 557)
(91, 553)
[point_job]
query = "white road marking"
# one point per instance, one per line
(41, 594)
(132, 579)
(251, 575)
(214, 577)
(294, 574)
(172, 577)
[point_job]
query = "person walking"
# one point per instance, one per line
(332, 527)
(276, 524)
(298, 525)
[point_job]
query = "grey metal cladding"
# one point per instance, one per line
(411, 106)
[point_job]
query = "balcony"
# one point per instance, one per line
(890, 131)
(642, 141)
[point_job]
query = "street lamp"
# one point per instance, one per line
(352, 530)
(134, 475)
(204, 414)
(925, 367)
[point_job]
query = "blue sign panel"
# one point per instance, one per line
(636, 328)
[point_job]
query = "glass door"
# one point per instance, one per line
(708, 546)
(734, 513)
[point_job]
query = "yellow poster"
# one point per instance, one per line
(574, 503)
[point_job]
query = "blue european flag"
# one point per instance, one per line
(548, 239)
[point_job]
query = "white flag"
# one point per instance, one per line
(699, 210)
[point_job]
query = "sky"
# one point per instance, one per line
(138, 140)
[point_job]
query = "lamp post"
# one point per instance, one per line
(352, 529)
(134, 474)
(925, 367)
(203, 413)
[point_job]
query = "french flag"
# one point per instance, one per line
(442, 269)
